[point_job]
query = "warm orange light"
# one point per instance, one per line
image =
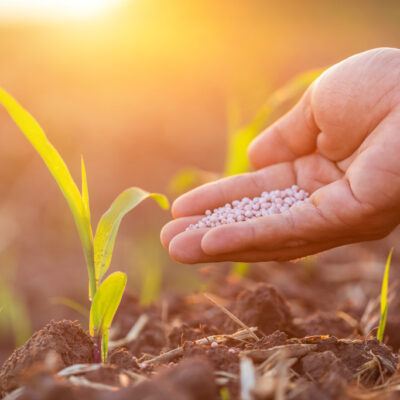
(76, 9)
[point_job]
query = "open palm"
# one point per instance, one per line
(341, 143)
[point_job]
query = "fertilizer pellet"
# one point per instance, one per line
(274, 202)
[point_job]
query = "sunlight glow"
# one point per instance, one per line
(75, 9)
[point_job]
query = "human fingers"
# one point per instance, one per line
(176, 226)
(298, 226)
(331, 218)
(218, 193)
(292, 136)
(187, 249)
(331, 213)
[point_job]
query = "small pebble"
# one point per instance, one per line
(231, 350)
(246, 209)
(214, 344)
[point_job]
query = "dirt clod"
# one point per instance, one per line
(123, 359)
(263, 308)
(190, 380)
(277, 338)
(220, 357)
(65, 338)
(318, 366)
(367, 359)
(325, 323)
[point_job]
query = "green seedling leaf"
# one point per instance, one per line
(34, 133)
(384, 301)
(188, 178)
(239, 139)
(108, 226)
(382, 324)
(224, 393)
(72, 304)
(105, 303)
(385, 283)
(14, 315)
(148, 264)
(237, 161)
(241, 269)
(184, 180)
(151, 283)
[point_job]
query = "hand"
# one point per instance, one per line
(341, 143)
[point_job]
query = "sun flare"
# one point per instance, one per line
(76, 9)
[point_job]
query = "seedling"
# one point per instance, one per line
(71, 304)
(384, 299)
(105, 295)
(224, 393)
(14, 317)
(148, 262)
(239, 137)
(240, 269)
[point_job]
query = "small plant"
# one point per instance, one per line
(224, 393)
(149, 264)
(239, 137)
(14, 317)
(240, 269)
(384, 299)
(105, 295)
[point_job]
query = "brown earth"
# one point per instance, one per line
(319, 356)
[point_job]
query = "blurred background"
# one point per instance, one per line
(142, 89)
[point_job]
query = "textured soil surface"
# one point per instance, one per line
(64, 341)
(275, 346)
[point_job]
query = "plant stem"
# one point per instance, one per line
(92, 283)
(92, 274)
(97, 349)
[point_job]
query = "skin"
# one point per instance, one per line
(341, 143)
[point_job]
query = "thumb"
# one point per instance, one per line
(292, 136)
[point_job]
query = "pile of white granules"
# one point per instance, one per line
(274, 202)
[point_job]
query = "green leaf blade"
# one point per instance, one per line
(109, 223)
(385, 282)
(382, 325)
(105, 303)
(384, 301)
(240, 269)
(239, 139)
(57, 167)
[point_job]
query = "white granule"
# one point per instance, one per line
(274, 202)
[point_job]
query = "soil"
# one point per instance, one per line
(191, 349)
(65, 339)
